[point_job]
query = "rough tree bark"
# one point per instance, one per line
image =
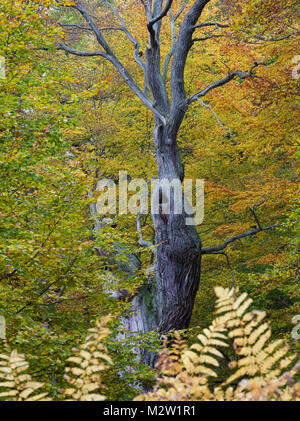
(167, 302)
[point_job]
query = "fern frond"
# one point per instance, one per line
(259, 362)
(17, 383)
(84, 377)
(196, 359)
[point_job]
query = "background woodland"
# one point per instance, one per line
(65, 121)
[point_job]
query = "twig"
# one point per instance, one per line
(259, 228)
(228, 264)
(228, 132)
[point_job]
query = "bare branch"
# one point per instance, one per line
(85, 28)
(79, 7)
(228, 265)
(228, 132)
(259, 40)
(213, 250)
(163, 13)
(217, 25)
(253, 211)
(129, 36)
(271, 39)
(209, 34)
(111, 28)
(208, 37)
(74, 26)
(183, 46)
(172, 49)
(259, 228)
(152, 22)
(148, 9)
(228, 78)
(274, 39)
(80, 53)
(181, 10)
(257, 37)
(153, 57)
(118, 65)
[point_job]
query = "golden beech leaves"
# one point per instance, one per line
(67, 121)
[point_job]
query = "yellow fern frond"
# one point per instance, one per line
(259, 362)
(84, 377)
(17, 384)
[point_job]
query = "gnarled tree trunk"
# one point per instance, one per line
(178, 246)
(166, 302)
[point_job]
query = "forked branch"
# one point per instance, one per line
(156, 19)
(259, 228)
(225, 80)
(109, 55)
(129, 36)
(163, 13)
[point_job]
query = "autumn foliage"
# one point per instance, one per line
(67, 121)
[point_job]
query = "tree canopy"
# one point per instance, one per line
(86, 84)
